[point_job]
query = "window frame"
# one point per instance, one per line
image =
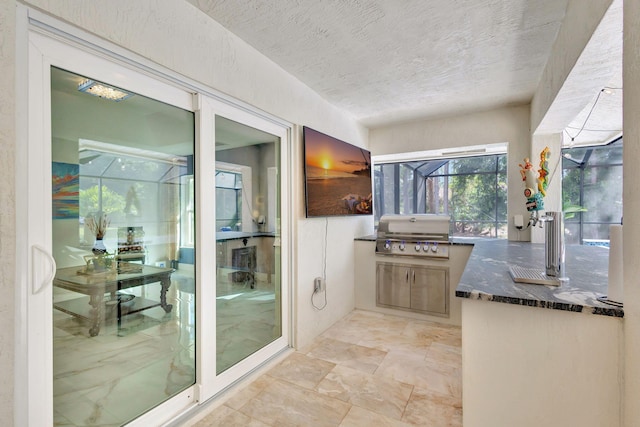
(246, 191)
(438, 163)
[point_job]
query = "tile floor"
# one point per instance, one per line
(110, 379)
(367, 369)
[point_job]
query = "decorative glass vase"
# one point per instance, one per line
(99, 249)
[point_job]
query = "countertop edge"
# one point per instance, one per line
(575, 308)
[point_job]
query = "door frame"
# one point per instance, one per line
(42, 42)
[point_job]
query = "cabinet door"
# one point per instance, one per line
(393, 285)
(430, 289)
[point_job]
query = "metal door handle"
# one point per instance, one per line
(52, 269)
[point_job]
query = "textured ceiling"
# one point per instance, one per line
(386, 61)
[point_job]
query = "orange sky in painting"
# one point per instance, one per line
(328, 153)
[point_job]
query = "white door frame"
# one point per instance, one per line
(209, 109)
(44, 42)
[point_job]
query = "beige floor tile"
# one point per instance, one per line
(352, 328)
(429, 408)
(359, 417)
(443, 334)
(361, 325)
(228, 417)
(380, 395)
(302, 370)
(445, 354)
(413, 369)
(285, 404)
(368, 369)
(355, 356)
(248, 392)
(394, 341)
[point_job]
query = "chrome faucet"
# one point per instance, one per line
(554, 244)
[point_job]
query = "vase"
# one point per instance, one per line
(99, 247)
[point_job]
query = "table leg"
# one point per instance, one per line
(163, 295)
(97, 312)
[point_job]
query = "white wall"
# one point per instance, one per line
(311, 235)
(488, 127)
(7, 208)
(340, 292)
(531, 367)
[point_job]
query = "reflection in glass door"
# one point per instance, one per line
(123, 241)
(248, 282)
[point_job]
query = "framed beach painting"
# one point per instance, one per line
(65, 190)
(337, 176)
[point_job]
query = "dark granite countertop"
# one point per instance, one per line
(486, 277)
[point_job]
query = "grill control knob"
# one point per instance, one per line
(418, 247)
(401, 247)
(387, 245)
(426, 247)
(434, 248)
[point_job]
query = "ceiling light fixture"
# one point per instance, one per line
(102, 90)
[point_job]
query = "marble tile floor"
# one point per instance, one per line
(112, 378)
(367, 369)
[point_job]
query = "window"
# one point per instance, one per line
(131, 186)
(234, 196)
(472, 190)
(592, 180)
(228, 200)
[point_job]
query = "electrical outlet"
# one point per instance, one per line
(318, 285)
(518, 221)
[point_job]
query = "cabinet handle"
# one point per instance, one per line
(407, 276)
(50, 275)
(414, 276)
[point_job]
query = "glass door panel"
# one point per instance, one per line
(123, 241)
(248, 290)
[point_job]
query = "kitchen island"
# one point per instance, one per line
(537, 355)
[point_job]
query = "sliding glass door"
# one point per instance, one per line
(124, 291)
(155, 243)
(248, 289)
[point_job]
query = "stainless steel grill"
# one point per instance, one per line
(423, 235)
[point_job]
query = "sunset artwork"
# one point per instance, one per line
(65, 190)
(338, 176)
